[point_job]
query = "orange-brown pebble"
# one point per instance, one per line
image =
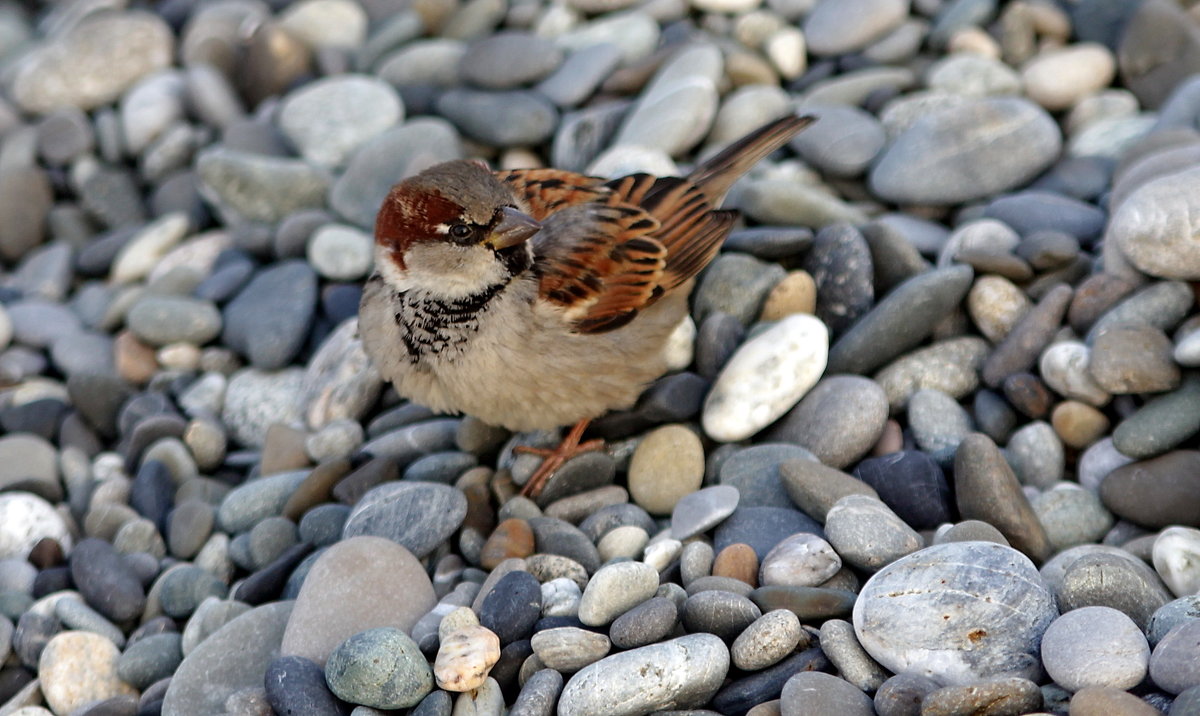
(1078, 424)
(135, 361)
(739, 561)
(796, 293)
(511, 538)
(465, 658)
(316, 488)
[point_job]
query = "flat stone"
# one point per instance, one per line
(78, 668)
(997, 608)
(839, 420)
(1158, 492)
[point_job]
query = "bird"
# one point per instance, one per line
(537, 298)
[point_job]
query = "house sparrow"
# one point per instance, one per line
(536, 298)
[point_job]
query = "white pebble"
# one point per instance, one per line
(1176, 556)
(766, 377)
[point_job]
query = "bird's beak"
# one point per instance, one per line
(515, 227)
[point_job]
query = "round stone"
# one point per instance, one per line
(1144, 226)
(868, 535)
(382, 668)
(957, 612)
(25, 520)
(839, 420)
(78, 668)
(340, 252)
(667, 465)
(1058, 79)
(803, 560)
(1095, 646)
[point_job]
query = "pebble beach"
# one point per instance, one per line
(930, 441)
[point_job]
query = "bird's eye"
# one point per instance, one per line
(461, 231)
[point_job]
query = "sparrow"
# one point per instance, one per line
(537, 298)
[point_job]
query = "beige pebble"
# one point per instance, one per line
(786, 51)
(135, 361)
(976, 41)
(995, 304)
(624, 542)
(1078, 424)
(1058, 79)
(465, 657)
(78, 668)
(667, 465)
(796, 293)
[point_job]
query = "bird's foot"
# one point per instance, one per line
(556, 456)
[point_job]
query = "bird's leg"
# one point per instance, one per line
(555, 457)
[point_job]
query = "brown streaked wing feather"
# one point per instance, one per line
(600, 264)
(546, 191)
(690, 229)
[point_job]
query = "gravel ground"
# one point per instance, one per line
(929, 444)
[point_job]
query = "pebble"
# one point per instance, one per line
(328, 119)
(77, 668)
(667, 465)
(512, 606)
(1172, 666)
(502, 119)
(702, 510)
(683, 672)
(997, 619)
(912, 485)
(1098, 700)
(822, 693)
(900, 321)
(1140, 227)
(802, 560)
(1173, 555)
(987, 489)
(1155, 493)
(357, 584)
(614, 589)
(236, 654)
(382, 668)
(569, 649)
(417, 515)
(247, 187)
(1059, 79)
(838, 421)
(106, 581)
(1022, 139)
(1133, 359)
(868, 535)
(647, 623)
(296, 684)
(950, 367)
(1113, 580)
(767, 641)
(852, 661)
(465, 656)
(1004, 694)
(765, 378)
(735, 284)
(268, 320)
(1096, 647)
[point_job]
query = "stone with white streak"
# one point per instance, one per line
(1176, 556)
(1064, 367)
(766, 377)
